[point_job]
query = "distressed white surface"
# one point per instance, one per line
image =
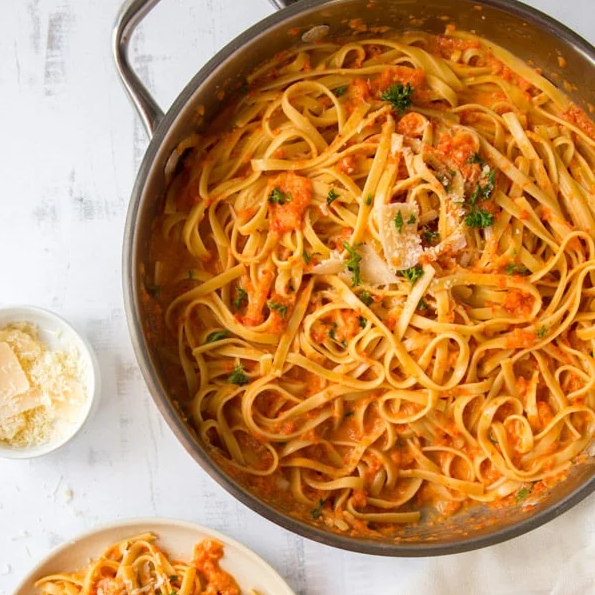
(70, 147)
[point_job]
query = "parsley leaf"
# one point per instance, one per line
(412, 274)
(332, 195)
(238, 376)
(523, 493)
(216, 336)
(306, 256)
(333, 335)
(421, 305)
(366, 297)
(516, 269)
(153, 290)
(369, 199)
(430, 236)
(338, 91)
(279, 198)
(399, 222)
(399, 97)
(316, 512)
(190, 274)
(542, 331)
(412, 219)
(281, 309)
(240, 298)
(479, 218)
(362, 322)
(475, 158)
(485, 187)
(173, 577)
(353, 263)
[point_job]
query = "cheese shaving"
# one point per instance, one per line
(48, 403)
(402, 247)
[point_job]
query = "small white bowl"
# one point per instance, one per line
(56, 333)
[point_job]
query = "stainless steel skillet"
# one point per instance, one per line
(525, 31)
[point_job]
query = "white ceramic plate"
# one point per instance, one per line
(56, 333)
(177, 537)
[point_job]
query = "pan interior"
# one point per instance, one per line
(528, 34)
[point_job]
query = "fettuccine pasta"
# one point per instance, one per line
(373, 280)
(137, 566)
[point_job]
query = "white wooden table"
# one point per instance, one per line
(70, 147)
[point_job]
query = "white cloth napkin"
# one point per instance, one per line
(556, 559)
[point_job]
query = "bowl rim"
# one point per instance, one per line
(154, 525)
(165, 406)
(23, 313)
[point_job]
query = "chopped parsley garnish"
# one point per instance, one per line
(240, 298)
(190, 274)
(363, 321)
(306, 256)
(523, 493)
(517, 269)
(412, 274)
(421, 305)
(484, 191)
(216, 336)
(412, 219)
(173, 577)
(281, 309)
(153, 290)
(430, 236)
(399, 222)
(353, 263)
(238, 376)
(542, 331)
(369, 199)
(316, 512)
(475, 158)
(399, 97)
(338, 91)
(279, 198)
(366, 298)
(333, 335)
(479, 218)
(332, 195)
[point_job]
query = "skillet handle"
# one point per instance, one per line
(130, 15)
(283, 3)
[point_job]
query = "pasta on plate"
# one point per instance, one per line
(137, 565)
(373, 280)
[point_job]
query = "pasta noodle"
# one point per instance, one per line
(373, 281)
(137, 566)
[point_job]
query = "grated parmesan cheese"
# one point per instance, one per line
(41, 395)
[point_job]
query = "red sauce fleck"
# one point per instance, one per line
(575, 115)
(518, 302)
(206, 560)
(289, 216)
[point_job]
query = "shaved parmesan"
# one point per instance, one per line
(396, 143)
(330, 266)
(454, 243)
(48, 401)
(402, 246)
(374, 269)
(13, 381)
